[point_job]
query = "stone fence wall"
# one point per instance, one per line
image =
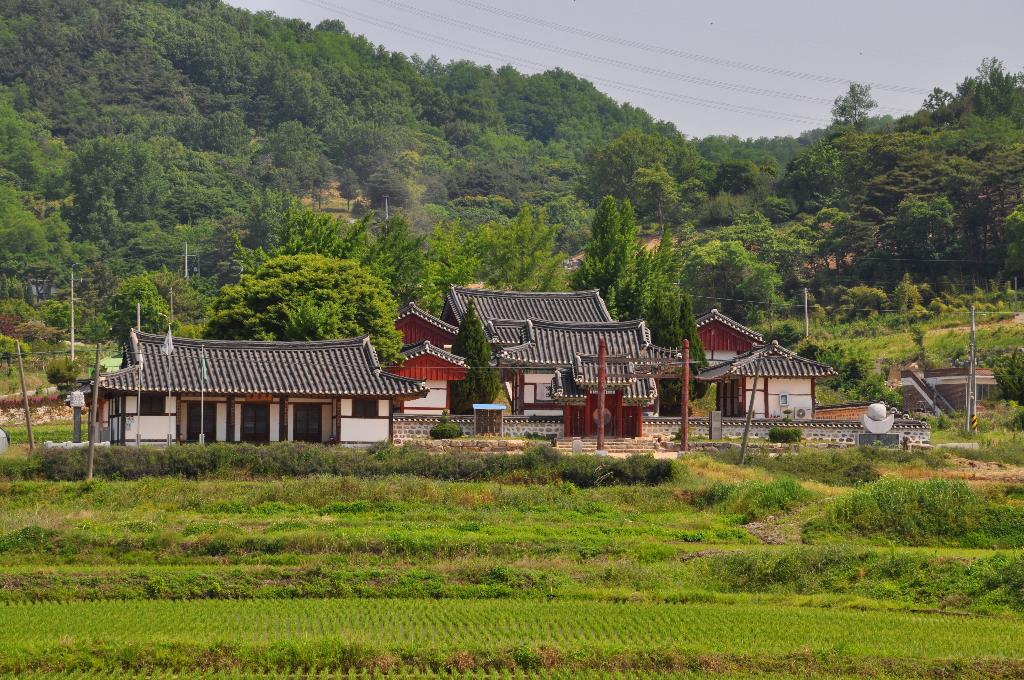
(412, 426)
(831, 431)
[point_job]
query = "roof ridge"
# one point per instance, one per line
(144, 338)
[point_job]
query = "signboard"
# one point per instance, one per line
(488, 419)
(715, 422)
(76, 399)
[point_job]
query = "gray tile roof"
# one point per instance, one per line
(619, 370)
(427, 347)
(715, 315)
(564, 388)
(580, 306)
(773, 361)
(556, 343)
(322, 368)
(505, 331)
(413, 309)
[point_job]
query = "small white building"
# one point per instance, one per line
(228, 390)
(784, 387)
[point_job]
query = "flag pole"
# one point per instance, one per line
(202, 395)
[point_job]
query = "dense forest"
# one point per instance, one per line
(130, 128)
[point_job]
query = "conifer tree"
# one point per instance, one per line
(611, 253)
(688, 324)
(482, 383)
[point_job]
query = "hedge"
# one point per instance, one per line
(540, 463)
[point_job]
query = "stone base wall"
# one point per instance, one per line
(831, 431)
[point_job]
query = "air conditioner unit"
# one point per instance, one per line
(801, 414)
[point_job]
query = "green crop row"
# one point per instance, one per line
(433, 634)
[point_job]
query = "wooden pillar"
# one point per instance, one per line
(618, 414)
(282, 429)
(639, 421)
(391, 421)
(766, 396)
(177, 419)
(231, 420)
(814, 401)
(521, 391)
(567, 417)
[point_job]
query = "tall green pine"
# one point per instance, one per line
(482, 383)
(610, 255)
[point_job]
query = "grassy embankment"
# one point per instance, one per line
(517, 569)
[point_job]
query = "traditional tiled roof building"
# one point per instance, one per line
(252, 391)
(509, 306)
(437, 368)
(555, 365)
(723, 337)
(785, 386)
(417, 324)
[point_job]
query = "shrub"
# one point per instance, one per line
(540, 463)
(445, 429)
(921, 512)
(785, 435)
(753, 499)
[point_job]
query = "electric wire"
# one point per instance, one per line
(609, 61)
(682, 54)
(661, 94)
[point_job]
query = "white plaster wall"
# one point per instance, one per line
(542, 412)
(275, 422)
(799, 390)
(152, 427)
(238, 422)
(222, 421)
(325, 422)
(537, 387)
(346, 407)
(435, 401)
(383, 408)
(721, 355)
(363, 429)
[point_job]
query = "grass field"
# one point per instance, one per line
(795, 567)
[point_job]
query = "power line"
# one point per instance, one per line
(609, 61)
(662, 94)
(681, 54)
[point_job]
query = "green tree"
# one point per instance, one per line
(853, 107)
(63, 373)
(1014, 229)
(308, 297)
(657, 191)
(482, 382)
(520, 254)
(1009, 373)
(120, 308)
(397, 256)
(451, 259)
(304, 231)
(728, 276)
(610, 256)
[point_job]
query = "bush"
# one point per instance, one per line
(445, 430)
(539, 463)
(754, 500)
(785, 435)
(921, 512)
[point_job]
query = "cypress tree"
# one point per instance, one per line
(688, 324)
(611, 253)
(482, 383)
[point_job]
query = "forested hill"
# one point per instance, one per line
(128, 128)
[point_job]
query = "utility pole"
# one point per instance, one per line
(387, 213)
(170, 314)
(186, 259)
(684, 430)
(24, 399)
(750, 414)
(807, 318)
(602, 382)
(972, 399)
(94, 415)
(138, 317)
(72, 312)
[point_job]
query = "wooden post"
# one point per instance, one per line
(24, 400)
(750, 414)
(684, 429)
(94, 415)
(602, 381)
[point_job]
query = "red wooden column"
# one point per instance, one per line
(639, 421)
(602, 383)
(684, 435)
(567, 417)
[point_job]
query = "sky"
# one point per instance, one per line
(737, 67)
